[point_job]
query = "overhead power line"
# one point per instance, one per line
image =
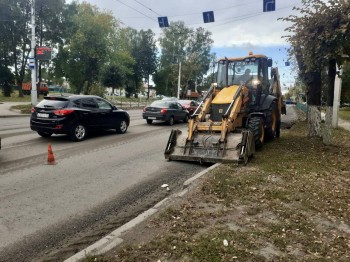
(153, 19)
(148, 8)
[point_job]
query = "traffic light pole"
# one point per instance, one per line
(34, 94)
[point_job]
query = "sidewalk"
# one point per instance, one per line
(5, 110)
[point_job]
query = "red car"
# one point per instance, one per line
(189, 105)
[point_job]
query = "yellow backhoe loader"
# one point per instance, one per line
(238, 113)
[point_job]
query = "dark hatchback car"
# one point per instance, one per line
(76, 115)
(190, 105)
(169, 111)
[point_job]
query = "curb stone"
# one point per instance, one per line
(115, 238)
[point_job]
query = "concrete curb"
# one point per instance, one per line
(8, 116)
(114, 238)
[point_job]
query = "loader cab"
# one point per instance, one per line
(251, 71)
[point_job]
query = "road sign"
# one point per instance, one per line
(31, 63)
(269, 5)
(208, 17)
(287, 63)
(43, 53)
(163, 21)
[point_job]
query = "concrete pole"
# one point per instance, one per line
(179, 82)
(336, 101)
(34, 94)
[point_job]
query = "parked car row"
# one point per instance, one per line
(78, 115)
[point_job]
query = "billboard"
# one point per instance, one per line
(43, 53)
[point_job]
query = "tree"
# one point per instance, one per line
(88, 47)
(14, 42)
(191, 47)
(6, 80)
(320, 39)
(146, 55)
(50, 21)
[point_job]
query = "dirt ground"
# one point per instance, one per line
(290, 203)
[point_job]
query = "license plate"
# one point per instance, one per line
(43, 115)
(152, 117)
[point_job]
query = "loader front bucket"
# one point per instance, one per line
(207, 148)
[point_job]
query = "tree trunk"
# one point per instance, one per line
(332, 70)
(148, 87)
(313, 81)
(327, 131)
(314, 121)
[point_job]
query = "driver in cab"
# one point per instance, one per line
(246, 76)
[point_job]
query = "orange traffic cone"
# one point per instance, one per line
(50, 157)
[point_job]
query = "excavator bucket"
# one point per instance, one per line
(207, 148)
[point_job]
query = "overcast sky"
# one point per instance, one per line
(240, 25)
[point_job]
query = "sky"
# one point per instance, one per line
(240, 25)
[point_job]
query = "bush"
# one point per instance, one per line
(97, 89)
(7, 89)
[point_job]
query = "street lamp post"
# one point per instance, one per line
(34, 95)
(179, 81)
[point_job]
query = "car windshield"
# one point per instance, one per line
(49, 103)
(160, 103)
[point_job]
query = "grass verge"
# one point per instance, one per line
(290, 203)
(344, 113)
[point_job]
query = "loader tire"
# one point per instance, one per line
(278, 129)
(271, 122)
(256, 126)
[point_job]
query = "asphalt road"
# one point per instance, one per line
(49, 212)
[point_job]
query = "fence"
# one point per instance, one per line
(302, 107)
(128, 103)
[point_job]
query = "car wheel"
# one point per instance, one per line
(78, 132)
(44, 134)
(149, 121)
(122, 126)
(186, 119)
(171, 120)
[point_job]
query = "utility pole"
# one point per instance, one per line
(179, 81)
(34, 94)
(336, 100)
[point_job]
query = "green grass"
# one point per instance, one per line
(344, 113)
(290, 203)
(14, 98)
(24, 109)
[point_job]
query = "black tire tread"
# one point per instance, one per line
(254, 125)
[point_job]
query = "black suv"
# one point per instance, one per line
(76, 115)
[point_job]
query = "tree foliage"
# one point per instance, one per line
(320, 38)
(189, 46)
(88, 48)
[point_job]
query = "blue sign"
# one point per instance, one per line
(208, 17)
(31, 63)
(269, 5)
(287, 63)
(163, 21)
